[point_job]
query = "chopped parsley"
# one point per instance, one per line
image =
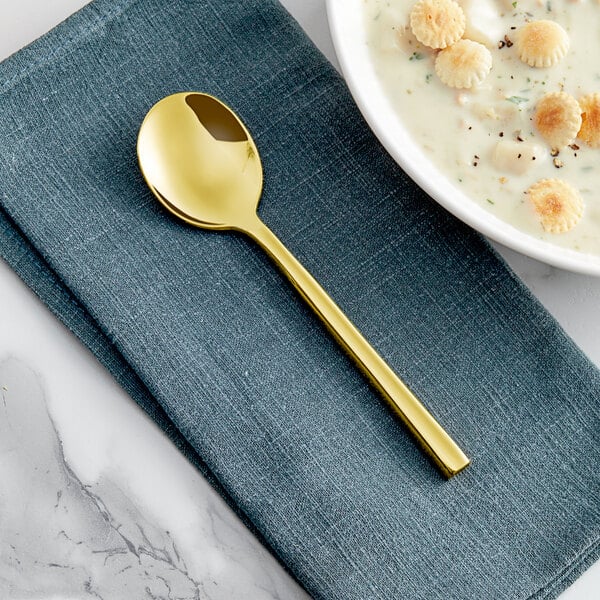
(517, 99)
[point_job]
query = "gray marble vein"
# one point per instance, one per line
(64, 537)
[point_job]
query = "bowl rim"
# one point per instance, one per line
(346, 25)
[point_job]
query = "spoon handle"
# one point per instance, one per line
(435, 441)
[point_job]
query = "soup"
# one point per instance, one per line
(484, 139)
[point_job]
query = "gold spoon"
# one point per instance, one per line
(200, 162)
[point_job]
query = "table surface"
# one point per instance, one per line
(119, 512)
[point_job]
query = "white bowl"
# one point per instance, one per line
(347, 24)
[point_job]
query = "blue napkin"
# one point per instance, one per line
(210, 339)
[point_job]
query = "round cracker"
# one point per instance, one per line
(557, 204)
(464, 64)
(590, 120)
(437, 23)
(542, 43)
(558, 119)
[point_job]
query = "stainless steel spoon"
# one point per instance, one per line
(201, 163)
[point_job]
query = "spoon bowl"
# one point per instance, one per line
(201, 163)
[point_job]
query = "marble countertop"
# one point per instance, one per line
(96, 502)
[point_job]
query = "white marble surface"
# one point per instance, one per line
(97, 503)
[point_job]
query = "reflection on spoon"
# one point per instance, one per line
(201, 163)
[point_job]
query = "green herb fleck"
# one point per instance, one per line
(514, 5)
(428, 77)
(416, 56)
(489, 201)
(549, 6)
(517, 99)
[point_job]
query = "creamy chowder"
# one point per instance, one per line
(484, 139)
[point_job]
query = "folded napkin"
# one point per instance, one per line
(206, 335)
